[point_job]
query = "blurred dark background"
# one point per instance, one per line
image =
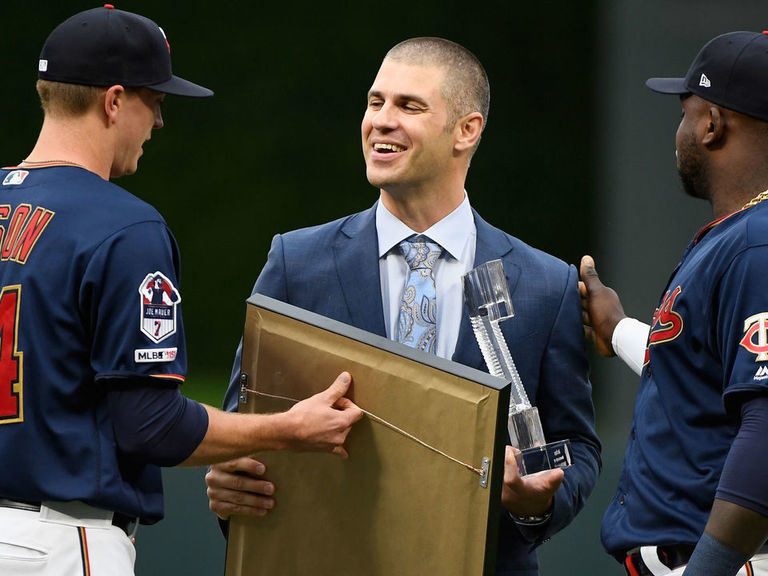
(278, 146)
(578, 157)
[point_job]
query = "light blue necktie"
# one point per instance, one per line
(417, 321)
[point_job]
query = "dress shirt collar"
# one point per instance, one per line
(452, 232)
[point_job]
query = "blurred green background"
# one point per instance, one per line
(577, 158)
(278, 146)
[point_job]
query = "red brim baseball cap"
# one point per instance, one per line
(105, 46)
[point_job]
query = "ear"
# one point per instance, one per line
(467, 131)
(114, 99)
(715, 128)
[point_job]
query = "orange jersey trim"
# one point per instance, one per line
(84, 552)
(177, 377)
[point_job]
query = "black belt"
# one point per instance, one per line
(672, 556)
(125, 523)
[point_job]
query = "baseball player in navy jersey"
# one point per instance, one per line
(91, 332)
(693, 494)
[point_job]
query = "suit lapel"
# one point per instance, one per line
(491, 244)
(357, 264)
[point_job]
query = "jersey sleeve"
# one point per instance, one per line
(742, 323)
(131, 302)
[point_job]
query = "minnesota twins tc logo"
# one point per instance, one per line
(667, 324)
(756, 335)
(158, 306)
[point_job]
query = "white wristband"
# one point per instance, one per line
(629, 341)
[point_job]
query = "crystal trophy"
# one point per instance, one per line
(486, 293)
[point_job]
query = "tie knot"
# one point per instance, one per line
(420, 252)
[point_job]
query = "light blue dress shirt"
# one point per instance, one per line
(457, 234)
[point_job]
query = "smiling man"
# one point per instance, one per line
(424, 116)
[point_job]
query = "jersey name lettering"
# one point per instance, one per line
(11, 360)
(22, 232)
(158, 311)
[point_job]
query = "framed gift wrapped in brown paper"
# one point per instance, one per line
(420, 493)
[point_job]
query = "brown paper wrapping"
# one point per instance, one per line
(394, 508)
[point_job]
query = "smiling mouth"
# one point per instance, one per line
(388, 148)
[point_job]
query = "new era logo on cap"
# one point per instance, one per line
(730, 71)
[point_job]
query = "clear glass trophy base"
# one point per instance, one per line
(524, 427)
(535, 454)
(546, 457)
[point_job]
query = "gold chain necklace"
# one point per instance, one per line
(756, 200)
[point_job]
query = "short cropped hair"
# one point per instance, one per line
(465, 88)
(61, 99)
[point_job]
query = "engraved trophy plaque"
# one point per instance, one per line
(486, 293)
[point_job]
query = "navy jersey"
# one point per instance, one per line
(708, 341)
(89, 300)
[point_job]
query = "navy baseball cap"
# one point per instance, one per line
(105, 46)
(731, 71)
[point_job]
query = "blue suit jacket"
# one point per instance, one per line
(333, 270)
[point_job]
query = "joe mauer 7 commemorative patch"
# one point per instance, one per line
(159, 298)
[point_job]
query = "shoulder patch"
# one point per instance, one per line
(756, 336)
(158, 299)
(150, 355)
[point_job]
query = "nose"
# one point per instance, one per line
(158, 118)
(384, 118)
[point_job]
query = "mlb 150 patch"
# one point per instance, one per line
(147, 355)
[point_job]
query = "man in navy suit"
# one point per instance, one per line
(425, 113)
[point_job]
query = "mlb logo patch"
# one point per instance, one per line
(158, 300)
(151, 355)
(15, 178)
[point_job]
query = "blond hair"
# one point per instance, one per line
(61, 99)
